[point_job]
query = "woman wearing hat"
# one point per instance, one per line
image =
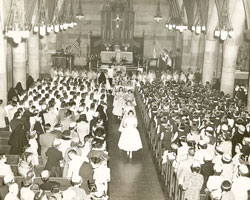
(227, 167)
(226, 194)
(192, 182)
(241, 185)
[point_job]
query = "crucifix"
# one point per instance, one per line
(117, 21)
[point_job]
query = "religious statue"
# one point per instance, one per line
(118, 53)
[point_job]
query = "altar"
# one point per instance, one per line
(66, 60)
(108, 56)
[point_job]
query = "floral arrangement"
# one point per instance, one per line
(113, 59)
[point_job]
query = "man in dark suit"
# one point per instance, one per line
(46, 141)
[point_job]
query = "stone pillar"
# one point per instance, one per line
(19, 64)
(211, 45)
(43, 54)
(247, 11)
(201, 52)
(52, 47)
(34, 63)
(210, 60)
(231, 47)
(3, 71)
(186, 43)
(219, 60)
(9, 61)
(194, 51)
(177, 36)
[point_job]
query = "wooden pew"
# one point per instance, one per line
(4, 141)
(64, 182)
(5, 134)
(13, 159)
(38, 169)
(5, 149)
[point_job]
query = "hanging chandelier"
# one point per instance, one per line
(80, 14)
(16, 28)
(198, 26)
(42, 27)
(158, 16)
(224, 28)
(177, 25)
(56, 23)
(175, 20)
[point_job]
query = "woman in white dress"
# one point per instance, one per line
(118, 103)
(130, 139)
(128, 106)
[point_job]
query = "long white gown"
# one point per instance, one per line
(118, 104)
(130, 139)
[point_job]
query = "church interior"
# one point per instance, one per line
(78, 77)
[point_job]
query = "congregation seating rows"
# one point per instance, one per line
(12, 160)
(4, 138)
(64, 182)
(167, 171)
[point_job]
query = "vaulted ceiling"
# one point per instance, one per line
(176, 6)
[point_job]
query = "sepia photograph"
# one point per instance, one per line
(124, 100)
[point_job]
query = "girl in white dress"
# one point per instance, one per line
(130, 139)
(128, 106)
(118, 103)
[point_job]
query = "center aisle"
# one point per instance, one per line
(131, 179)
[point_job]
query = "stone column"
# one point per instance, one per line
(19, 64)
(194, 51)
(9, 61)
(247, 11)
(211, 46)
(34, 63)
(186, 42)
(201, 52)
(231, 47)
(43, 54)
(3, 74)
(177, 36)
(52, 47)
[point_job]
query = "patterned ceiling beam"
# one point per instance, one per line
(189, 7)
(203, 7)
(220, 5)
(29, 6)
(58, 7)
(51, 5)
(175, 11)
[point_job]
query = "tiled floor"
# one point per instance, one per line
(131, 179)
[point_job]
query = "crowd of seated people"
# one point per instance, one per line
(205, 133)
(63, 119)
